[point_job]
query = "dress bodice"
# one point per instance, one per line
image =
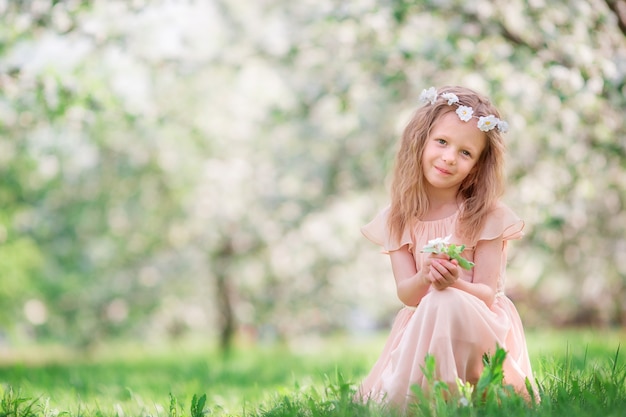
(500, 222)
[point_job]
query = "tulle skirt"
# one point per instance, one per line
(456, 328)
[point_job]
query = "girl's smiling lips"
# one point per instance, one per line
(443, 171)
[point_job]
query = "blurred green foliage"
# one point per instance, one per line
(168, 166)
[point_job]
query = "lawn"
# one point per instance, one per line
(580, 372)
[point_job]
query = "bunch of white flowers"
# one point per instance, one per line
(443, 245)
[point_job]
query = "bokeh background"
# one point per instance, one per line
(180, 167)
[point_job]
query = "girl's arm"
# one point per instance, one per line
(411, 284)
(487, 260)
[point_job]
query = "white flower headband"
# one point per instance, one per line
(465, 113)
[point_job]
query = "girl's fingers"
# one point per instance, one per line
(441, 275)
(440, 267)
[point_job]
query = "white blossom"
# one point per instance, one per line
(451, 97)
(503, 126)
(429, 96)
(465, 113)
(438, 245)
(486, 123)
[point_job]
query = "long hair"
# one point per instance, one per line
(479, 191)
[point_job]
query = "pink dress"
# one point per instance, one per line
(452, 325)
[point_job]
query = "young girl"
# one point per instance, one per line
(447, 181)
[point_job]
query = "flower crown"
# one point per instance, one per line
(465, 113)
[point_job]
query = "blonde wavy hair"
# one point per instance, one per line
(480, 190)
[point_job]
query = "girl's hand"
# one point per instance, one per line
(443, 272)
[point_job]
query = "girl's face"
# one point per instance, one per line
(451, 152)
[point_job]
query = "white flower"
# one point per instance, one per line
(438, 245)
(486, 123)
(451, 97)
(465, 113)
(503, 126)
(429, 96)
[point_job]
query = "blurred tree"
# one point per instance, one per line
(206, 165)
(84, 179)
(561, 83)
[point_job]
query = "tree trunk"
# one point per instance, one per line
(226, 320)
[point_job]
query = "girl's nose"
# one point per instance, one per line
(449, 158)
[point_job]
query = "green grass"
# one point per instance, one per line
(580, 373)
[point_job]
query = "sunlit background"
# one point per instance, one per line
(202, 168)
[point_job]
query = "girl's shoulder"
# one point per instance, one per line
(501, 220)
(414, 232)
(501, 209)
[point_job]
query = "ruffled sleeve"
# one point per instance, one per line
(502, 221)
(377, 231)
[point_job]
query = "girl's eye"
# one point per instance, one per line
(441, 141)
(466, 153)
